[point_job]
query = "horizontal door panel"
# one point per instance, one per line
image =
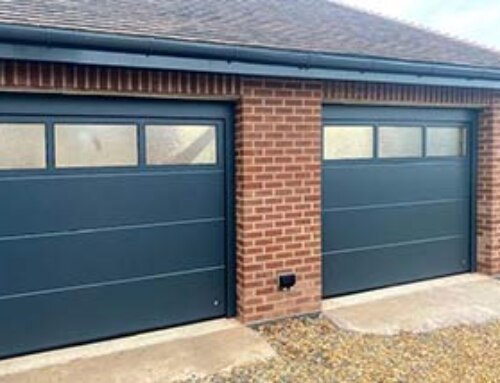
(370, 268)
(354, 228)
(45, 321)
(55, 262)
(354, 185)
(66, 203)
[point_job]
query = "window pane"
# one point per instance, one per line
(347, 142)
(22, 146)
(96, 145)
(180, 144)
(400, 142)
(446, 141)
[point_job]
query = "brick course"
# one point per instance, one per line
(399, 94)
(47, 77)
(278, 161)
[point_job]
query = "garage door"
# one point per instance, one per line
(396, 196)
(113, 219)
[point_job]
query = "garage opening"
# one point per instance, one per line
(115, 218)
(397, 196)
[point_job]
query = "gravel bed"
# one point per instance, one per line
(314, 350)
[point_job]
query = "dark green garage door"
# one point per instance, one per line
(396, 196)
(113, 219)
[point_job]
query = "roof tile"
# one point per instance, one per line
(304, 25)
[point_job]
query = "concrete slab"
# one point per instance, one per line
(420, 307)
(162, 356)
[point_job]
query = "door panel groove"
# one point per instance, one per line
(396, 204)
(109, 229)
(60, 176)
(395, 244)
(112, 283)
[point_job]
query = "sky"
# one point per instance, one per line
(474, 20)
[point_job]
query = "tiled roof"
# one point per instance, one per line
(303, 25)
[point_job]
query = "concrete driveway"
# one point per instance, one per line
(420, 307)
(157, 357)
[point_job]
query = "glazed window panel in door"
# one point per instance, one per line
(446, 141)
(181, 145)
(22, 146)
(400, 142)
(95, 145)
(347, 142)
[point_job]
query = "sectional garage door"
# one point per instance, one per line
(113, 218)
(396, 196)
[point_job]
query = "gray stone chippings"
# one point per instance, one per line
(316, 351)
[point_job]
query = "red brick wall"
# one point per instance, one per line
(278, 155)
(488, 190)
(278, 146)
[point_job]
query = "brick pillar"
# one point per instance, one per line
(488, 190)
(278, 170)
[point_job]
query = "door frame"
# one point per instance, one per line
(356, 113)
(20, 107)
